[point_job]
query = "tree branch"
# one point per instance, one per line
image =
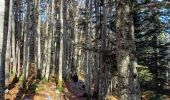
(151, 5)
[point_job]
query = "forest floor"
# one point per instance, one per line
(44, 90)
(155, 93)
(47, 90)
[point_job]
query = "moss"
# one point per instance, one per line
(13, 75)
(60, 85)
(21, 79)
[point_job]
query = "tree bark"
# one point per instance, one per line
(96, 55)
(53, 37)
(37, 49)
(18, 59)
(4, 11)
(62, 37)
(129, 88)
(48, 40)
(37, 40)
(26, 45)
(8, 52)
(88, 53)
(76, 16)
(13, 51)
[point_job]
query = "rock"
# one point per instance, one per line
(6, 91)
(57, 91)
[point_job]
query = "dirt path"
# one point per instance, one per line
(43, 91)
(39, 91)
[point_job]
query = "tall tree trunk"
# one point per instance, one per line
(26, 45)
(48, 41)
(76, 16)
(13, 46)
(45, 52)
(18, 44)
(8, 59)
(129, 88)
(8, 52)
(96, 55)
(54, 37)
(62, 33)
(88, 53)
(37, 45)
(36, 16)
(4, 11)
(13, 51)
(102, 64)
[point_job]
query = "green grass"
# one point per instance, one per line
(44, 79)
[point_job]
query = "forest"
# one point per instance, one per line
(84, 49)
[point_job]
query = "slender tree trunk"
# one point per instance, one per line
(103, 48)
(35, 22)
(88, 53)
(129, 88)
(4, 11)
(8, 52)
(18, 59)
(96, 56)
(8, 59)
(54, 37)
(19, 30)
(45, 53)
(48, 57)
(62, 33)
(48, 41)
(26, 45)
(13, 46)
(39, 44)
(37, 48)
(13, 51)
(44, 57)
(75, 38)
